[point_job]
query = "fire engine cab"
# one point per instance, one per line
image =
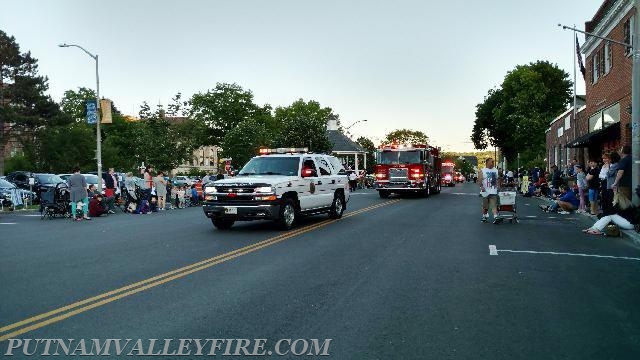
(413, 168)
(448, 174)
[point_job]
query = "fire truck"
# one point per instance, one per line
(448, 174)
(407, 168)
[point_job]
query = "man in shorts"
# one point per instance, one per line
(489, 184)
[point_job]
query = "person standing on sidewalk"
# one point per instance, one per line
(593, 184)
(614, 160)
(582, 186)
(489, 183)
(623, 176)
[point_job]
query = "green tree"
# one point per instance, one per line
(74, 103)
(242, 143)
(515, 116)
(61, 148)
(407, 136)
(24, 107)
(221, 109)
(303, 124)
(370, 147)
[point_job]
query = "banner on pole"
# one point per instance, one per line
(92, 112)
(105, 108)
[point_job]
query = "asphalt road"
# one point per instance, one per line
(400, 278)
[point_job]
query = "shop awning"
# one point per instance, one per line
(604, 135)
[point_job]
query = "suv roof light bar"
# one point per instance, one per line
(283, 151)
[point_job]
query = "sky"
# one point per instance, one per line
(417, 64)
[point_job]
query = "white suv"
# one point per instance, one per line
(280, 185)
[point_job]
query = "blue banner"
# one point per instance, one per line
(92, 113)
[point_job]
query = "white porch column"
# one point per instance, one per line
(365, 162)
(356, 157)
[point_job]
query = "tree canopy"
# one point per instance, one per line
(407, 136)
(515, 116)
(303, 124)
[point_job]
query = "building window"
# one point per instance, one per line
(560, 131)
(567, 122)
(568, 151)
(604, 118)
(628, 33)
(607, 57)
(611, 115)
(596, 67)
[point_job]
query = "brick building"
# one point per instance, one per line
(608, 79)
(563, 131)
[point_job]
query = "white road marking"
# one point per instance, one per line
(472, 194)
(531, 216)
(8, 223)
(494, 251)
(31, 215)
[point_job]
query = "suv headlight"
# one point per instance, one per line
(210, 190)
(264, 190)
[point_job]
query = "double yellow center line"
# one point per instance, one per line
(54, 316)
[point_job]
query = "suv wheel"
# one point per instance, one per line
(337, 207)
(287, 214)
(223, 224)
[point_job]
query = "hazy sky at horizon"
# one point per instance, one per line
(417, 64)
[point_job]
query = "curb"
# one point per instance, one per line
(630, 235)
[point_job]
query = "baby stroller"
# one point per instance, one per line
(55, 202)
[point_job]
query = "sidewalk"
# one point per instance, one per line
(629, 235)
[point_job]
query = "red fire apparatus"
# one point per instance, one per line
(408, 169)
(448, 174)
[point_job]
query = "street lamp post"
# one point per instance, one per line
(359, 121)
(98, 135)
(635, 95)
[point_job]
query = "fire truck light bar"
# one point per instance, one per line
(283, 151)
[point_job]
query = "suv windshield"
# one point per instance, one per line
(398, 157)
(271, 165)
(49, 179)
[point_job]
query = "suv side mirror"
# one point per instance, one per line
(308, 172)
(342, 172)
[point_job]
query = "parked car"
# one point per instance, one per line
(21, 180)
(6, 188)
(182, 180)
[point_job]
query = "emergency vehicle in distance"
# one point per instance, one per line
(407, 168)
(448, 174)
